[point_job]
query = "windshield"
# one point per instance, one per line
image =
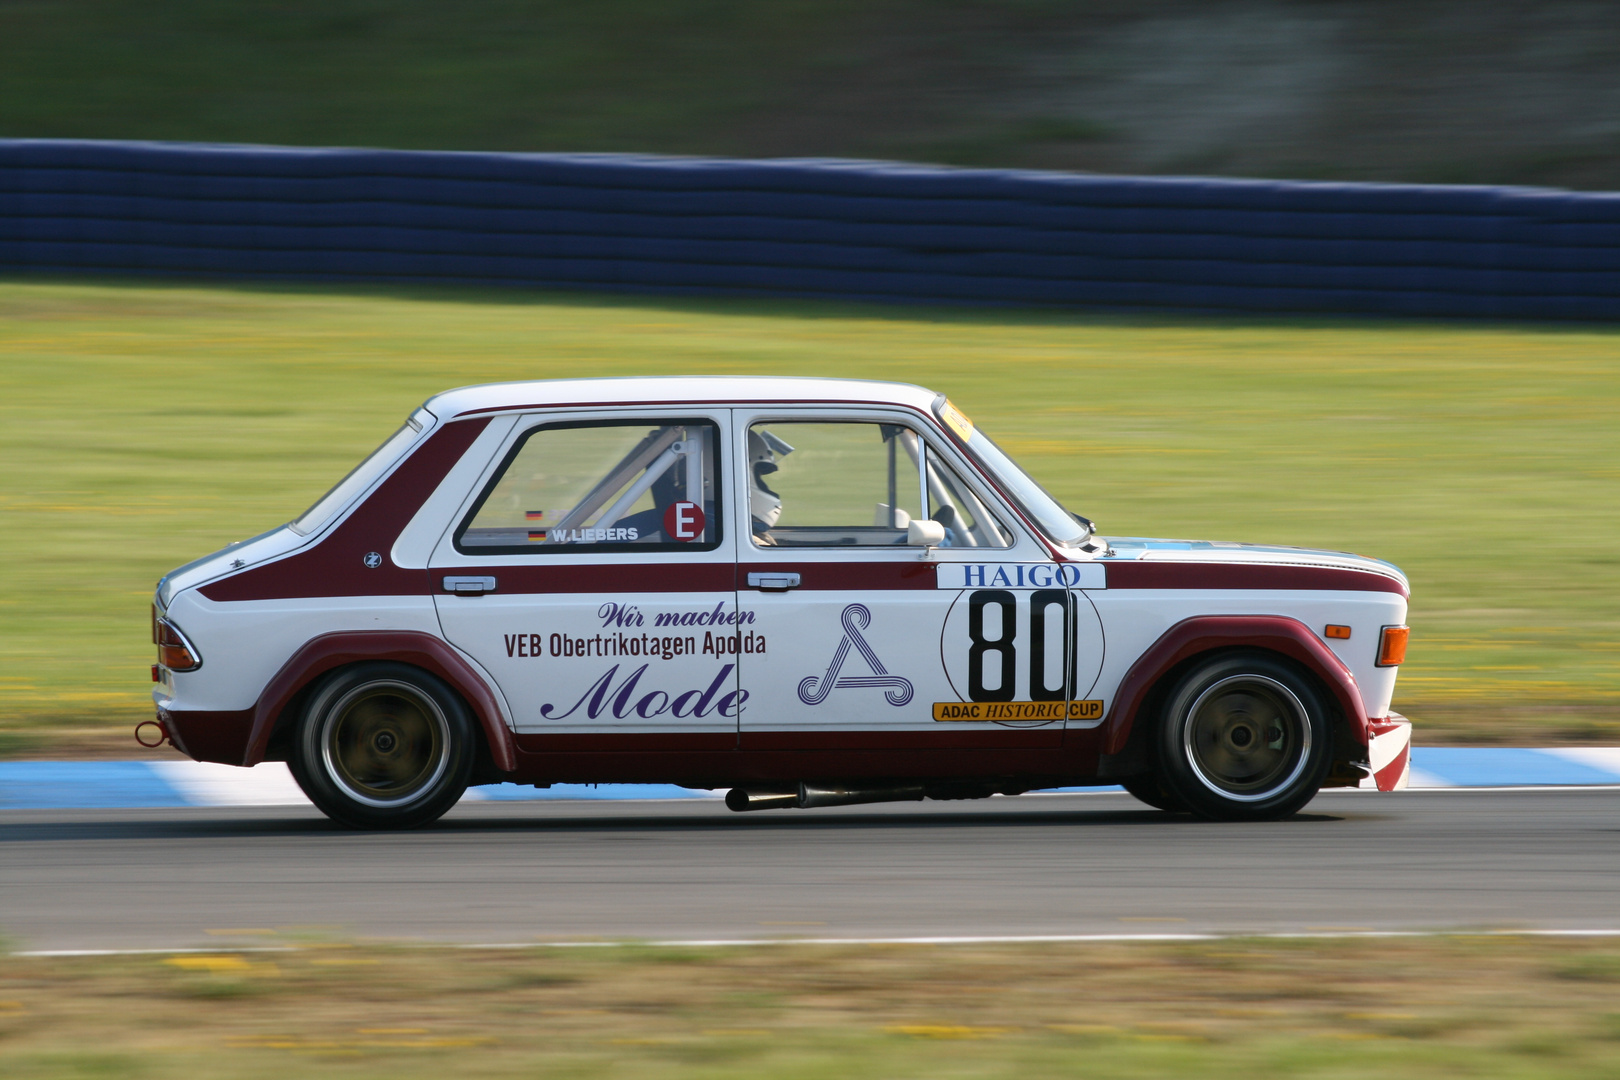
(1057, 523)
(358, 480)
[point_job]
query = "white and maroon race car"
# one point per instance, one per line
(811, 592)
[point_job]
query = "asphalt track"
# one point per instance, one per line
(1034, 865)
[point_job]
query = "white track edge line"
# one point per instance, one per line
(731, 943)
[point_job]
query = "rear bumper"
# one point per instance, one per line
(208, 736)
(1389, 749)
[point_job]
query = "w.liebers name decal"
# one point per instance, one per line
(1080, 575)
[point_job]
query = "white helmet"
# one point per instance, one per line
(764, 504)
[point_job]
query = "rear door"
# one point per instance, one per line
(591, 575)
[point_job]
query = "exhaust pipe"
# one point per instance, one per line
(808, 796)
(740, 799)
(841, 796)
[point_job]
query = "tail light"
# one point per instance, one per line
(174, 651)
(1392, 645)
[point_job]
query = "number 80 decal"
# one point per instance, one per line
(1018, 655)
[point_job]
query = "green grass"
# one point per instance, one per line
(1325, 1010)
(143, 425)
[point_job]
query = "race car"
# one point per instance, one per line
(807, 592)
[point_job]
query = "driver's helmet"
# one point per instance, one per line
(764, 505)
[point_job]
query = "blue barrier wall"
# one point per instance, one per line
(807, 228)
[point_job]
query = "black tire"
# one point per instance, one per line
(1244, 737)
(1148, 789)
(383, 746)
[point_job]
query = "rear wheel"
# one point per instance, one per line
(1245, 738)
(383, 746)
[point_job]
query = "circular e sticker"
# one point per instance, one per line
(684, 521)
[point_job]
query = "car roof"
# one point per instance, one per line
(676, 389)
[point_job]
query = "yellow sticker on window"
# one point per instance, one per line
(957, 421)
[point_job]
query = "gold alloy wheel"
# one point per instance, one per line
(384, 743)
(1247, 737)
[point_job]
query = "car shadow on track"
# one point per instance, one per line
(555, 819)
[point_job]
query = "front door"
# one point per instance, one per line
(592, 577)
(895, 605)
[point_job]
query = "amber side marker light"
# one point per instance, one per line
(174, 651)
(1340, 632)
(1392, 645)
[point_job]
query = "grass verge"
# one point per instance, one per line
(1397, 1008)
(144, 425)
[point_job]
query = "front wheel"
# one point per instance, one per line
(383, 746)
(1244, 738)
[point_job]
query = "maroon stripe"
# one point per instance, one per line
(724, 769)
(1207, 633)
(335, 566)
(647, 742)
(334, 650)
(945, 738)
(708, 577)
(1168, 575)
(814, 576)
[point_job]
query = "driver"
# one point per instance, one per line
(764, 505)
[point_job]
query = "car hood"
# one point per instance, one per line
(1148, 549)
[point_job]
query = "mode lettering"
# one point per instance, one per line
(619, 697)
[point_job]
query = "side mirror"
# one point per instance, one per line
(925, 533)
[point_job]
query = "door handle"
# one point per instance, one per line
(469, 586)
(779, 582)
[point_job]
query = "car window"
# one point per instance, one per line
(952, 503)
(855, 484)
(619, 485)
(359, 478)
(1058, 524)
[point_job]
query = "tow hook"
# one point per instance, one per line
(162, 733)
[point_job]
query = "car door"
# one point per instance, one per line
(869, 635)
(591, 574)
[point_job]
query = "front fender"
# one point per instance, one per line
(1205, 633)
(322, 654)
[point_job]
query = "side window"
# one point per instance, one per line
(968, 522)
(854, 484)
(604, 485)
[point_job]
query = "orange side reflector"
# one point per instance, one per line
(1340, 632)
(1392, 645)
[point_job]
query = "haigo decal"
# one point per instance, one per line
(1021, 576)
(855, 618)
